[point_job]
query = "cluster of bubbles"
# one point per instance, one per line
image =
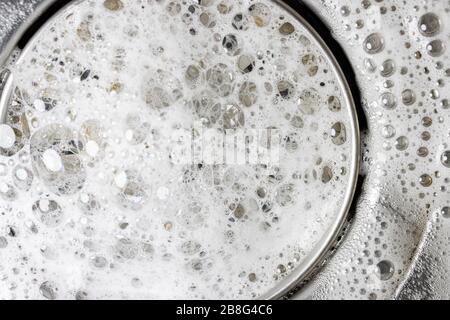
(92, 203)
(399, 51)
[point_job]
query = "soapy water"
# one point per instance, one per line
(170, 149)
(395, 247)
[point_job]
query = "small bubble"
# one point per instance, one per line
(231, 45)
(436, 48)
(48, 290)
(327, 174)
(287, 28)
(426, 180)
(387, 68)
(369, 65)
(261, 14)
(7, 136)
(408, 97)
(334, 104)
(388, 100)
(3, 242)
(374, 43)
(429, 24)
(385, 270)
(422, 152)
(240, 22)
(345, 11)
(401, 143)
(446, 212)
(246, 63)
(281, 269)
(445, 158)
(388, 131)
(434, 94)
(427, 122)
(338, 133)
(49, 212)
(233, 117)
(248, 93)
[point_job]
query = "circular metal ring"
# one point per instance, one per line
(315, 259)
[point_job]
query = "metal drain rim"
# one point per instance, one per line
(315, 258)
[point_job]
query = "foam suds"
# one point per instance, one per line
(95, 202)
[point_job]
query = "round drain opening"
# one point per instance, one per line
(198, 149)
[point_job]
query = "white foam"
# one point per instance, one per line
(183, 231)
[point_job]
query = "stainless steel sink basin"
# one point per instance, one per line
(391, 240)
